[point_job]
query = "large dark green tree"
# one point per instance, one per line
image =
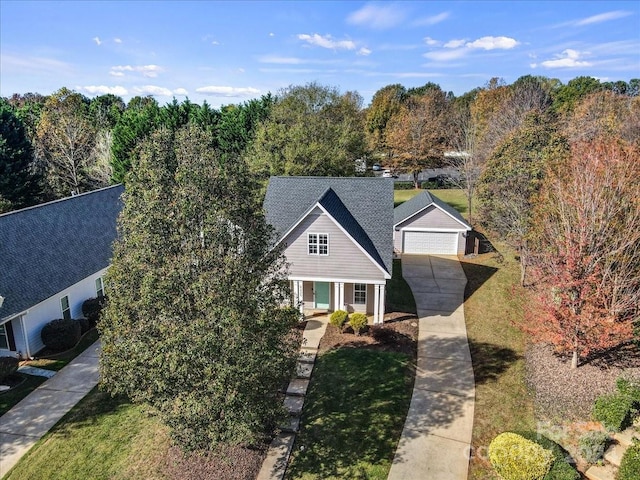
(194, 325)
(19, 184)
(512, 178)
(311, 130)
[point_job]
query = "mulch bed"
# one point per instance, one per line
(562, 392)
(398, 334)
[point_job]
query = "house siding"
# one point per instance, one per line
(41, 314)
(345, 259)
(431, 217)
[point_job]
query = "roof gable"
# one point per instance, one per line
(47, 248)
(361, 206)
(423, 200)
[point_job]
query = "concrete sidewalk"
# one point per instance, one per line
(23, 425)
(436, 439)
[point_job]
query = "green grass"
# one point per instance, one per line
(353, 415)
(58, 361)
(493, 310)
(401, 196)
(100, 438)
(10, 398)
(399, 295)
(453, 196)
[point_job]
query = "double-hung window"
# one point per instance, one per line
(318, 243)
(99, 287)
(66, 309)
(359, 293)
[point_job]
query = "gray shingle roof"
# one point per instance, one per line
(48, 248)
(362, 205)
(420, 202)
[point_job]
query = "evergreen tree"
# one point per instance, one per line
(194, 324)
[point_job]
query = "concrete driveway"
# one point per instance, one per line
(436, 439)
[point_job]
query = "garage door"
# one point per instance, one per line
(443, 243)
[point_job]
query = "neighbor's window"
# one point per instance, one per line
(64, 305)
(4, 339)
(99, 287)
(359, 293)
(318, 244)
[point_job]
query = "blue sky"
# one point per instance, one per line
(229, 52)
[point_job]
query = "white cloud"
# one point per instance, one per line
(603, 17)
(180, 91)
(432, 20)
(220, 91)
(280, 60)
(117, 40)
(493, 43)
(215, 42)
(271, 34)
(377, 16)
(21, 64)
(153, 90)
(327, 42)
(97, 40)
(103, 90)
(149, 71)
(569, 58)
(431, 41)
(454, 43)
(364, 51)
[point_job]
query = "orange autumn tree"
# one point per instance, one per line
(587, 228)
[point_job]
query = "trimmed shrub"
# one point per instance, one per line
(358, 321)
(85, 325)
(61, 334)
(429, 185)
(8, 366)
(630, 464)
(592, 446)
(515, 458)
(615, 411)
(630, 388)
(560, 469)
(339, 318)
(92, 307)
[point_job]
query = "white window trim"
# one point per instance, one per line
(317, 244)
(62, 309)
(98, 294)
(354, 294)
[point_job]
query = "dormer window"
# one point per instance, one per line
(318, 243)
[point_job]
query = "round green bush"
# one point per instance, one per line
(358, 321)
(338, 318)
(8, 366)
(560, 469)
(61, 334)
(614, 410)
(92, 307)
(515, 458)
(592, 445)
(630, 464)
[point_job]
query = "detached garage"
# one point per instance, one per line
(427, 225)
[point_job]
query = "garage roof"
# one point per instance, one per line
(421, 201)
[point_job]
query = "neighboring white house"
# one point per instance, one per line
(52, 258)
(337, 234)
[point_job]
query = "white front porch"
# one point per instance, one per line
(351, 296)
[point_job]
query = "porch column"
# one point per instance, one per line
(381, 298)
(298, 290)
(376, 302)
(338, 295)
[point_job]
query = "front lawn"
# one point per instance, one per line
(353, 415)
(493, 310)
(56, 361)
(11, 397)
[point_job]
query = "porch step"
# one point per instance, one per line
(614, 454)
(597, 472)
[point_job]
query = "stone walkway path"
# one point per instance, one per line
(23, 425)
(436, 439)
(275, 464)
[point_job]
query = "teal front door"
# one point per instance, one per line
(321, 291)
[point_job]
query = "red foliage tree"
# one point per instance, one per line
(587, 228)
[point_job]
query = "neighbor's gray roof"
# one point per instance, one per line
(47, 248)
(361, 205)
(421, 201)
